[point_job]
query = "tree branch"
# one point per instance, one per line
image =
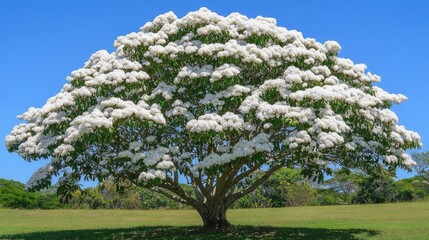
(252, 187)
(178, 190)
(169, 195)
(203, 189)
(245, 174)
(224, 185)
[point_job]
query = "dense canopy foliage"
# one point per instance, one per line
(210, 100)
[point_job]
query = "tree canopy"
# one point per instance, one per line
(210, 100)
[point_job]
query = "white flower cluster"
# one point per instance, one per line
(107, 112)
(224, 71)
(33, 141)
(299, 138)
(152, 174)
(194, 72)
(105, 68)
(326, 130)
(238, 27)
(233, 91)
(354, 71)
(214, 122)
(158, 157)
(244, 148)
(339, 92)
(164, 89)
(180, 109)
(329, 121)
(157, 160)
(267, 111)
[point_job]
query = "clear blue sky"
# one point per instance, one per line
(43, 41)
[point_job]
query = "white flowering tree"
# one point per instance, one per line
(206, 101)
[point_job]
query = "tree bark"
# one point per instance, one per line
(214, 218)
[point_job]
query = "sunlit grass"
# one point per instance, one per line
(383, 221)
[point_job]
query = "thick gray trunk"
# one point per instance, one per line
(214, 217)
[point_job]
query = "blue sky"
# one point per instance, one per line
(43, 41)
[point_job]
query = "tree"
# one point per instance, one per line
(88, 198)
(328, 196)
(210, 100)
(345, 182)
(287, 187)
(298, 194)
(422, 164)
(377, 189)
(13, 195)
(419, 185)
(118, 196)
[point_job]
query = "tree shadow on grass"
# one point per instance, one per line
(182, 233)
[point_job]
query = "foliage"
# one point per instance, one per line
(88, 198)
(111, 195)
(384, 190)
(345, 184)
(417, 184)
(255, 199)
(298, 194)
(376, 190)
(422, 164)
(286, 187)
(13, 195)
(213, 99)
(118, 196)
(328, 196)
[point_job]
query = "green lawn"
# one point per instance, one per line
(383, 221)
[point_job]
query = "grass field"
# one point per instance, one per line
(383, 221)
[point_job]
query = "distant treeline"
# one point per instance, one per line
(13, 195)
(285, 188)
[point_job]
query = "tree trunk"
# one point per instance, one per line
(214, 218)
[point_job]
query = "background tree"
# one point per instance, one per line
(298, 193)
(422, 164)
(255, 199)
(88, 198)
(377, 189)
(345, 182)
(328, 196)
(210, 100)
(13, 195)
(414, 188)
(287, 187)
(119, 195)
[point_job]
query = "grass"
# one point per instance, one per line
(383, 221)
